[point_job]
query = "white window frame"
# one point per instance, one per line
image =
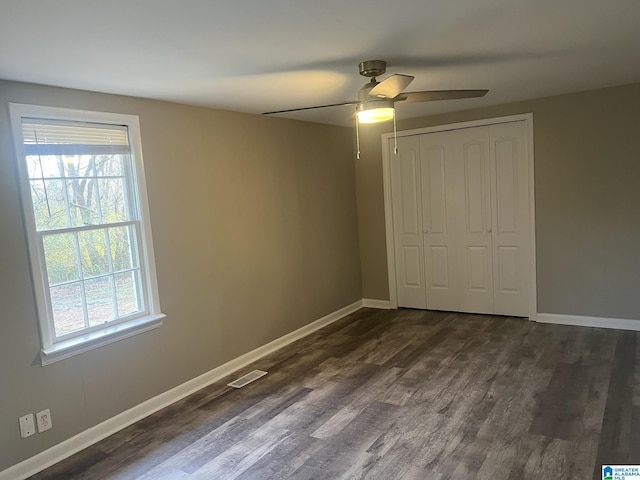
(52, 350)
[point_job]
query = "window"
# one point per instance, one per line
(87, 222)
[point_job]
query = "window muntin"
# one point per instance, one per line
(85, 207)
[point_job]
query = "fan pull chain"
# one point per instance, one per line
(357, 138)
(395, 135)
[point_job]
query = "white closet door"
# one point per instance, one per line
(407, 222)
(461, 219)
(456, 205)
(439, 220)
(472, 185)
(510, 182)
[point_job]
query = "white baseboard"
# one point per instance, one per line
(65, 449)
(581, 321)
(372, 303)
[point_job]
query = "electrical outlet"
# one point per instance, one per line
(27, 426)
(44, 420)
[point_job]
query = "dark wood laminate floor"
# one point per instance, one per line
(400, 394)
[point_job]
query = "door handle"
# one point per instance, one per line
(426, 231)
(488, 230)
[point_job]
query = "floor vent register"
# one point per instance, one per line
(247, 379)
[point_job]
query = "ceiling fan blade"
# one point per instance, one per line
(433, 95)
(392, 86)
(350, 102)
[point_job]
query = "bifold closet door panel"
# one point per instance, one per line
(439, 221)
(456, 205)
(511, 232)
(407, 222)
(472, 186)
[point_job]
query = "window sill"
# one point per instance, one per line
(90, 341)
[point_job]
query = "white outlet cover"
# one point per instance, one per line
(27, 426)
(44, 420)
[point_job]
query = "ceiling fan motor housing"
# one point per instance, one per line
(372, 68)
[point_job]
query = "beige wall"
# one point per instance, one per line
(587, 174)
(255, 234)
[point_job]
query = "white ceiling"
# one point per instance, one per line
(258, 55)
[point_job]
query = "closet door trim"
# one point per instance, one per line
(388, 210)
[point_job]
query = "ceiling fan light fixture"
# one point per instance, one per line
(375, 111)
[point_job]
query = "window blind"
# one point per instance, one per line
(73, 138)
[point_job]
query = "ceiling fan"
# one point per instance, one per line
(376, 100)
